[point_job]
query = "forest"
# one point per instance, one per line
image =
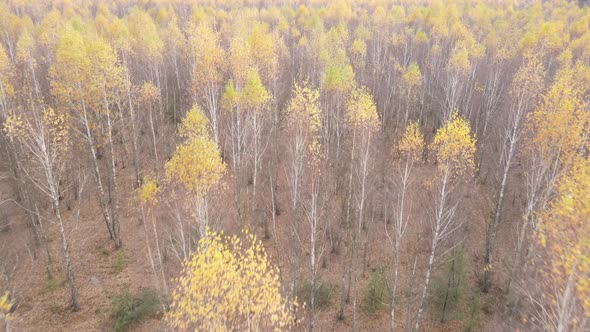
(294, 165)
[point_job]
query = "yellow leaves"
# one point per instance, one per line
(144, 34)
(85, 72)
(304, 118)
(210, 62)
(454, 146)
(528, 80)
(57, 127)
(411, 145)
(240, 60)
(339, 78)
(459, 60)
(48, 27)
(546, 37)
(412, 75)
(228, 285)
(5, 66)
(25, 47)
(262, 48)
(46, 136)
(230, 98)
(194, 124)
(254, 95)
(149, 93)
(314, 149)
(5, 305)
(196, 165)
(303, 108)
(565, 228)
(14, 127)
(421, 37)
(6, 74)
(359, 49)
(149, 191)
(120, 36)
(361, 111)
(559, 125)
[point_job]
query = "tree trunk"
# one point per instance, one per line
(66, 252)
(101, 192)
(564, 311)
(115, 192)
(426, 283)
(394, 287)
(136, 163)
(449, 284)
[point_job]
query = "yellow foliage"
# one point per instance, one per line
(254, 96)
(263, 49)
(421, 37)
(303, 108)
(230, 97)
(411, 145)
(144, 34)
(229, 284)
(194, 124)
(84, 73)
(120, 35)
(240, 60)
(338, 78)
(528, 80)
(25, 47)
(14, 127)
(148, 193)
(196, 165)
(558, 128)
(149, 93)
(412, 75)
(5, 305)
(56, 125)
(209, 57)
(454, 146)
(359, 48)
(460, 60)
(361, 111)
(6, 73)
(565, 229)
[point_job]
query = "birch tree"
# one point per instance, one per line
(228, 283)
(564, 303)
(407, 153)
(305, 161)
(454, 146)
(363, 122)
(196, 165)
(46, 140)
(526, 86)
(555, 134)
(208, 71)
(84, 79)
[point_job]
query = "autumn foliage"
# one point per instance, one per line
(444, 143)
(229, 284)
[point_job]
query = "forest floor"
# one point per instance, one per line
(102, 272)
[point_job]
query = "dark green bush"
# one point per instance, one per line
(377, 294)
(448, 286)
(473, 315)
(120, 261)
(323, 294)
(128, 308)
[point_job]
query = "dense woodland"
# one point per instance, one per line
(294, 165)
